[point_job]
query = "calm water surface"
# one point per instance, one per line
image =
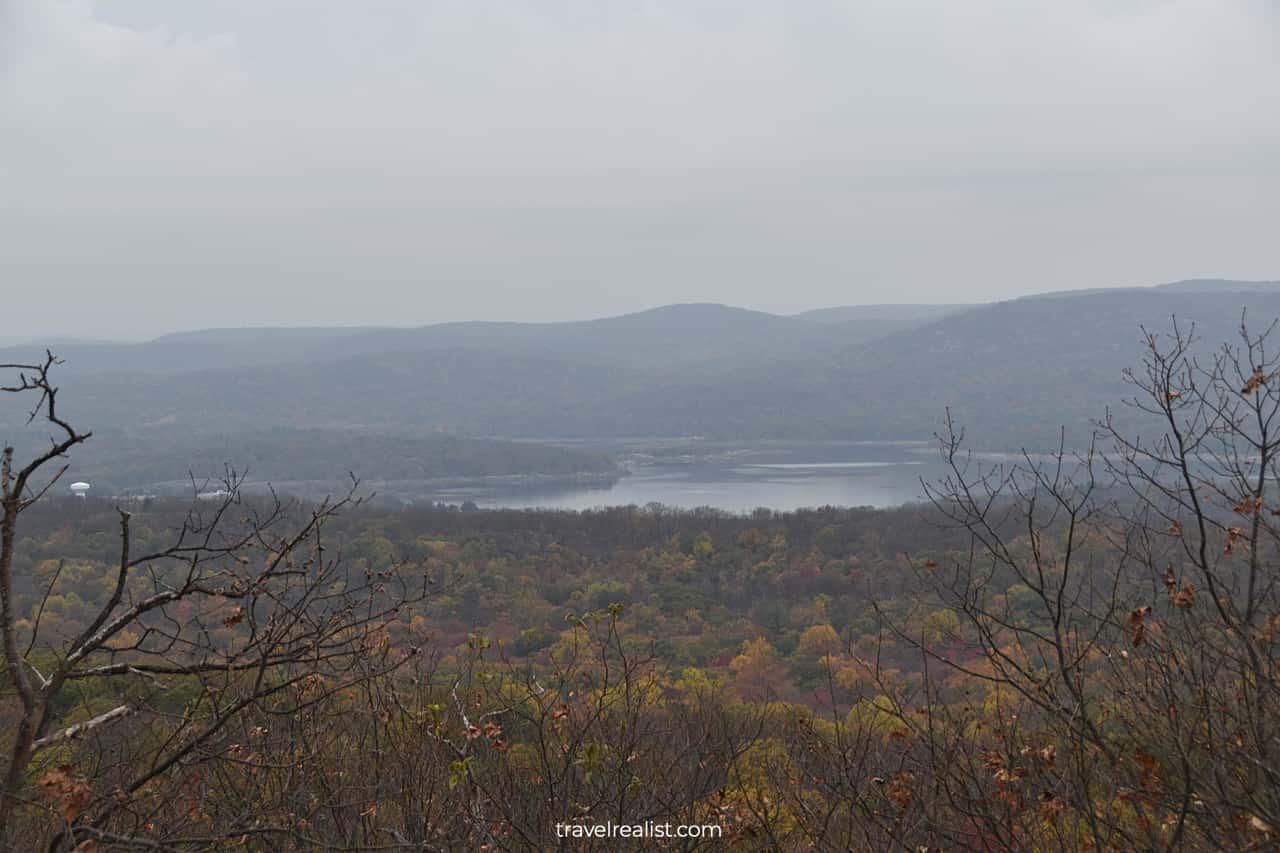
(740, 479)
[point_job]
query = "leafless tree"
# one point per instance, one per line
(1119, 617)
(247, 612)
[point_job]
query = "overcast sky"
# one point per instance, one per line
(171, 165)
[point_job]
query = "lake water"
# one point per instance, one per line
(737, 479)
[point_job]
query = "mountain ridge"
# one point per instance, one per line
(1013, 372)
(923, 311)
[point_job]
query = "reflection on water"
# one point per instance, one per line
(780, 477)
(800, 466)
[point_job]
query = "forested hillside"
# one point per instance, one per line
(1071, 653)
(1012, 372)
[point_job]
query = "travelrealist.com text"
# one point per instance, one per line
(648, 829)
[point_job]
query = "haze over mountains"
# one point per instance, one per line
(672, 334)
(374, 399)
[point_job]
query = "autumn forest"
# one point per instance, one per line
(1063, 651)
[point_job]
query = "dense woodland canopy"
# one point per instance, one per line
(1065, 653)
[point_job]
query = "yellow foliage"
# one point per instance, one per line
(694, 681)
(819, 640)
(873, 715)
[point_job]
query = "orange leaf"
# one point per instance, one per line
(66, 790)
(1256, 381)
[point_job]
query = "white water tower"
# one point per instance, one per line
(79, 489)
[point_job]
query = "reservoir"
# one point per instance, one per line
(740, 478)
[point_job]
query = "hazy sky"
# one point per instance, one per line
(168, 165)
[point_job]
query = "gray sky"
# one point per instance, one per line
(168, 165)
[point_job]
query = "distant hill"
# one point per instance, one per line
(1218, 285)
(185, 351)
(864, 323)
(905, 315)
(1190, 285)
(700, 336)
(1012, 372)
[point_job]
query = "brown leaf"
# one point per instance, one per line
(1050, 806)
(1271, 628)
(234, 618)
(1136, 623)
(1186, 597)
(1233, 534)
(1175, 527)
(66, 790)
(1148, 770)
(900, 790)
(1256, 381)
(1248, 506)
(1170, 579)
